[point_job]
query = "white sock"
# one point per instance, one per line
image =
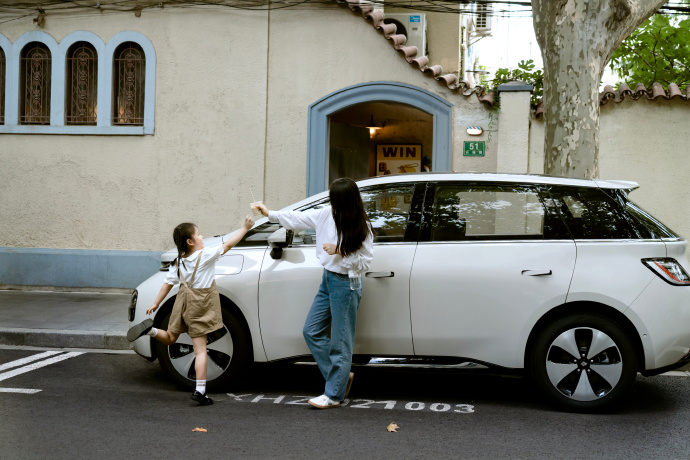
(201, 386)
(152, 332)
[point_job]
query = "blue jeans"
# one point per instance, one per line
(335, 305)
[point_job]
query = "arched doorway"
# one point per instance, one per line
(338, 130)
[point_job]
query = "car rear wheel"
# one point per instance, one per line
(227, 349)
(583, 362)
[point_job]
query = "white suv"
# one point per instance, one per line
(564, 280)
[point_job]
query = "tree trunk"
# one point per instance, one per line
(577, 38)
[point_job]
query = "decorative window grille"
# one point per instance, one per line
(35, 85)
(2, 87)
(129, 70)
(82, 84)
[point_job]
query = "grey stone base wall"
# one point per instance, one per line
(76, 267)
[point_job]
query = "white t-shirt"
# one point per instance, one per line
(322, 221)
(206, 272)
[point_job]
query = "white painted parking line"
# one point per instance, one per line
(27, 360)
(38, 365)
(19, 390)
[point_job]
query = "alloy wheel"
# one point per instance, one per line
(584, 364)
(219, 348)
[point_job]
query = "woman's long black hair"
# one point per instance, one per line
(351, 222)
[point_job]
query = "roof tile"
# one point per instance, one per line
(410, 53)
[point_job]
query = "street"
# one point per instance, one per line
(88, 404)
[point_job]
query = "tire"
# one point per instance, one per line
(588, 384)
(228, 352)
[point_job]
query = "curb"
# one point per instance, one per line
(64, 338)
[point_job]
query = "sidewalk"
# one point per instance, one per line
(64, 319)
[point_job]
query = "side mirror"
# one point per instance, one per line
(278, 240)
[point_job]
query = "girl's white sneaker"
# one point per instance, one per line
(324, 402)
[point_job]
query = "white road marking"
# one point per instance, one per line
(19, 390)
(85, 350)
(38, 365)
(27, 360)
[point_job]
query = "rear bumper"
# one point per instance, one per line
(661, 314)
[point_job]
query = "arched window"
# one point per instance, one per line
(35, 85)
(81, 84)
(129, 71)
(2, 87)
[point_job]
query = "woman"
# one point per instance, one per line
(344, 246)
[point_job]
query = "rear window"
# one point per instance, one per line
(651, 223)
(591, 214)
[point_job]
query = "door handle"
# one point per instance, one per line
(380, 275)
(536, 272)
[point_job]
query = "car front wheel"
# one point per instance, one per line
(583, 362)
(227, 350)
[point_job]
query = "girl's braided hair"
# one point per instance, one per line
(182, 233)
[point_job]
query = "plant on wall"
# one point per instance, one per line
(525, 72)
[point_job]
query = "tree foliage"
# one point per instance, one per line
(657, 51)
(525, 72)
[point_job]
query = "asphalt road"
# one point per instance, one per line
(96, 405)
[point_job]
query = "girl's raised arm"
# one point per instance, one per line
(239, 234)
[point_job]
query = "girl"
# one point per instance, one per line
(197, 306)
(344, 248)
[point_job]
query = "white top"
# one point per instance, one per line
(206, 272)
(322, 221)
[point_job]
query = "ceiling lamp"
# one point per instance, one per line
(373, 127)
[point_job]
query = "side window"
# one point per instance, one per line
(388, 209)
(654, 227)
(486, 212)
(258, 236)
(590, 214)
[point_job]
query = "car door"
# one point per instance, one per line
(287, 286)
(491, 259)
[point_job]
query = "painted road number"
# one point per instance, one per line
(359, 403)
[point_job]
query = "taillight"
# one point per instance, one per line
(669, 270)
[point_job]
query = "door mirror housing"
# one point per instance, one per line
(278, 240)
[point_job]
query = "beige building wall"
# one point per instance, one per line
(232, 93)
(641, 141)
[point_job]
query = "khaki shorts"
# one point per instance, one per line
(196, 311)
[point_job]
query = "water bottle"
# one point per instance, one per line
(355, 281)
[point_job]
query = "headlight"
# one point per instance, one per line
(133, 305)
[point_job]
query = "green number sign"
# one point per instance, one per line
(474, 149)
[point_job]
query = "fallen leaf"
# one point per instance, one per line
(392, 428)
(204, 430)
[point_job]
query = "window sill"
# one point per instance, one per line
(78, 130)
